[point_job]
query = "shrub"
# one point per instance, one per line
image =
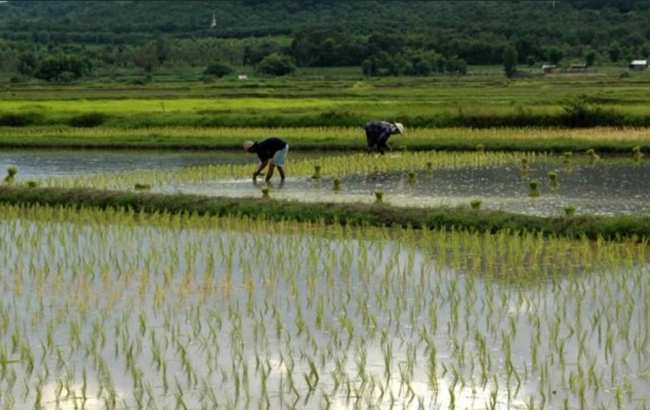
(88, 120)
(63, 69)
(217, 70)
(18, 120)
(579, 112)
(276, 64)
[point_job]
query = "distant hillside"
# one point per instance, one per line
(62, 40)
(96, 19)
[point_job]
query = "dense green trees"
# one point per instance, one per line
(58, 68)
(276, 64)
(217, 70)
(510, 58)
(383, 38)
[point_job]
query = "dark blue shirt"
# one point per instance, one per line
(266, 149)
(378, 132)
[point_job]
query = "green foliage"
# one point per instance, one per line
(412, 63)
(276, 65)
(583, 226)
(590, 58)
(218, 70)
(554, 55)
(581, 112)
(88, 120)
(148, 35)
(614, 52)
(510, 58)
(27, 64)
(63, 68)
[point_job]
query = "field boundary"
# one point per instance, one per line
(625, 227)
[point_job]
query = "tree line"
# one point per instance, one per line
(63, 40)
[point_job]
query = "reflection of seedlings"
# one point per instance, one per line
(412, 178)
(475, 204)
(567, 157)
(553, 179)
(316, 172)
(142, 187)
(637, 153)
(11, 175)
(533, 189)
(592, 155)
(379, 197)
(266, 192)
(480, 148)
(337, 184)
(569, 211)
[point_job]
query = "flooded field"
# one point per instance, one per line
(56, 162)
(500, 181)
(609, 187)
(121, 310)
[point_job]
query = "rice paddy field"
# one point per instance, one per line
(233, 294)
(123, 310)
(604, 139)
(475, 100)
(520, 182)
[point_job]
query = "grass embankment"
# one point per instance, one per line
(593, 227)
(603, 139)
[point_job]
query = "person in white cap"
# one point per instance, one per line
(378, 133)
(272, 152)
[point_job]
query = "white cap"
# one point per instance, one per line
(247, 145)
(400, 127)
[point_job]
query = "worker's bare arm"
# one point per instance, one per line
(259, 169)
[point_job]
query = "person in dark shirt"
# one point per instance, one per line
(272, 152)
(378, 133)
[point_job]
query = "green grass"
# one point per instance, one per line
(327, 100)
(593, 227)
(604, 139)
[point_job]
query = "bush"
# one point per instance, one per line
(276, 64)
(18, 120)
(89, 120)
(579, 112)
(217, 70)
(510, 57)
(63, 69)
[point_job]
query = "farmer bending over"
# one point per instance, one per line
(271, 152)
(378, 132)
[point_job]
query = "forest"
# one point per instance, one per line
(59, 41)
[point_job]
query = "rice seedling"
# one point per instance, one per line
(192, 311)
(533, 189)
(593, 157)
(411, 178)
(569, 211)
(637, 153)
(11, 175)
(379, 197)
(142, 187)
(266, 192)
(553, 179)
(337, 184)
(335, 166)
(32, 184)
(475, 204)
(525, 167)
